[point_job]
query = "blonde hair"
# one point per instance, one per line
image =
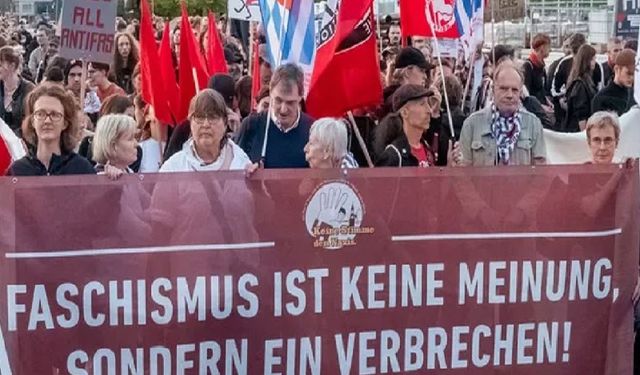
(110, 128)
(332, 135)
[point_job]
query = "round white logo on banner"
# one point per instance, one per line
(333, 215)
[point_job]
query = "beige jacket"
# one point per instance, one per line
(479, 148)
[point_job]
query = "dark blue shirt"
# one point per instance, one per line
(284, 149)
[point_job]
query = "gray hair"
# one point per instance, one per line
(108, 130)
(603, 119)
(332, 135)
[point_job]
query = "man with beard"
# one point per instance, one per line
(394, 34)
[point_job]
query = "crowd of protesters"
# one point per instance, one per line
(111, 130)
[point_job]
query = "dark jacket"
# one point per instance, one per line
(550, 73)
(398, 154)
(579, 97)
(124, 79)
(613, 98)
(15, 117)
(535, 80)
(439, 133)
(561, 75)
(65, 164)
(181, 134)
(608, 73)
(533, 105)
(284, 150)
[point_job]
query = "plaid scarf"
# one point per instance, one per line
(505, 130)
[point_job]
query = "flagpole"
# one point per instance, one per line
(83, 83)
(251, 46)
(493, 34)
(195, 80)
(469, 71)
(444, 86)
(379, 28)
(283, 31)
(363, 145)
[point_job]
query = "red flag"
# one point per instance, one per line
(346, 75)
(11, 148)
(191, 66)
(215, 54)
(167, 69)
(255, 75)
(5, 157)
(413, 18)
(154, 90)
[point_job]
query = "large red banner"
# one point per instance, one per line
(482, 271)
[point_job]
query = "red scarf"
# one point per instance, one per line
(535, 60)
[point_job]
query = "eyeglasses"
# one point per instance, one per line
(607, 142)
(42, 115)
(202, 120)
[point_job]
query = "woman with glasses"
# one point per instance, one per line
(209, 149)
(51, 130)
(603, 135)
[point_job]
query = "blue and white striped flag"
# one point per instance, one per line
(290, 29)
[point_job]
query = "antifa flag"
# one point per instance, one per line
(347, 73)
(414, 20)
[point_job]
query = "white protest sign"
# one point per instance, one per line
(246, 10)
(87, 30)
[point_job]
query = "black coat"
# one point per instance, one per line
(14, 119)
(65, 164)
(535, 80)
(398, 154)
(613, 98)
(579, 96)
(533, 105)
(608, 73)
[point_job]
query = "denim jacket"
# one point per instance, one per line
(480, 149)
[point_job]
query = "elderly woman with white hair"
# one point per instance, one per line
(114, 145)
(327, 146)
(603, 136)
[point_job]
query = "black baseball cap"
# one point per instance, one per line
(412, 56)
